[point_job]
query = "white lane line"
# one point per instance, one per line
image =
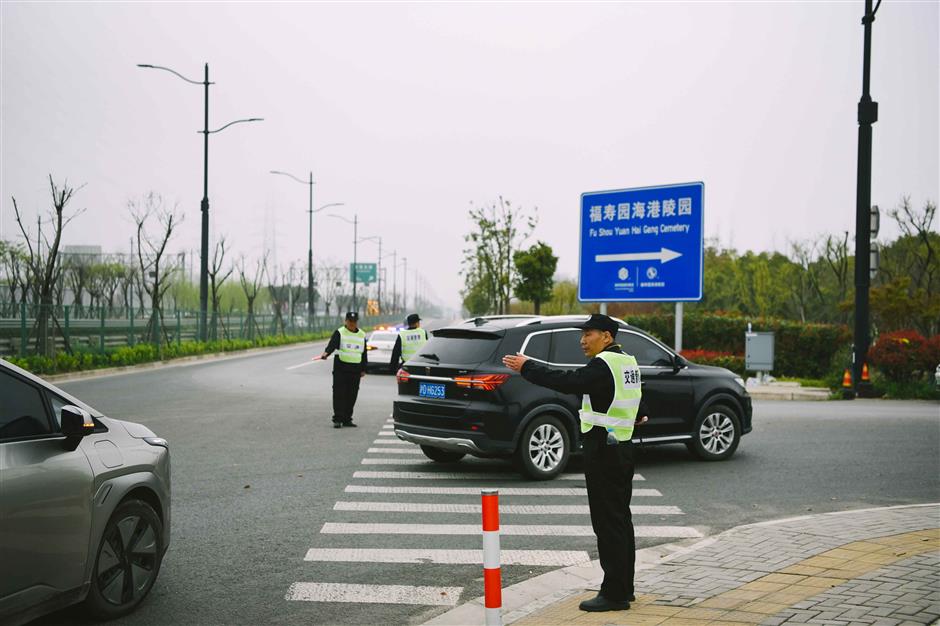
(386, 433)
(580, 492)
(293, 367)
(391, 442)
(374, 594)
(505, 509)
(553, 558)
(459, 476)
(375, 461)
(395, 451)
(529, 530)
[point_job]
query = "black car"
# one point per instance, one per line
(456, 397)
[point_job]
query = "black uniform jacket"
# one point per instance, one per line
(341, 366)
(593, 379)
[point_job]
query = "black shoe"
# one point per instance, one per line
(600, 603)
(350, 425)
(632, 598)
(337, 425)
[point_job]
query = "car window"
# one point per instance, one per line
(537, 346)
(458, 348)
(57, 404)
(566, 348)
(22, 411)
(645, 351)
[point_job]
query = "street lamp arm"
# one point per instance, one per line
(326, 206)
(345, 219)
(218, 130)
(303, 182)
(160, 67)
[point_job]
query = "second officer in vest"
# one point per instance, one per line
(349, 367)
(610, 389)
(409, 341)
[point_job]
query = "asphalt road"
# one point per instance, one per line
(258, 469)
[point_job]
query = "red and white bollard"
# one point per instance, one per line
(492, 583)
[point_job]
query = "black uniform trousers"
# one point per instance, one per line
(345, 392)
(608, 470)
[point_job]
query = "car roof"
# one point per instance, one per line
(36, 379)
(497, 323)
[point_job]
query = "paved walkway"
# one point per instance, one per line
(876, 566)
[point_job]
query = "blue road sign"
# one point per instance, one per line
(642, 245)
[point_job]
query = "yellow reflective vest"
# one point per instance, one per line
(621, 415)
(351, 345)
(411, 341)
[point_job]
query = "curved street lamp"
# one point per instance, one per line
(355, 222)
(378, 239)
(204, 257)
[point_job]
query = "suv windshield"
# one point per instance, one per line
(458, 347)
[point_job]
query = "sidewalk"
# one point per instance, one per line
(874, 566)
(787, 391)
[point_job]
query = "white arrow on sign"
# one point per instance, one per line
(663, 256)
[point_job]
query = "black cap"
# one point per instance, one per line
(601, 322)
(352, 316)
(413, 319)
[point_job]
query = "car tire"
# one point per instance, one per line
(716, 434)
(442, 456)
(544, 448)
(127, 560)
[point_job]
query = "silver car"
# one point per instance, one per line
(84, 504)
(380, 345)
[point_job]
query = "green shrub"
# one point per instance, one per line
(733, 362)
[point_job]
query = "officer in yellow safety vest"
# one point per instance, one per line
(349, 366)
(610, 389)
(409, 341)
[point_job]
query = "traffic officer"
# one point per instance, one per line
(610, 389)
(349, 366)
(409, 341)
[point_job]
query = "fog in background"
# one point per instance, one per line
(410, 112)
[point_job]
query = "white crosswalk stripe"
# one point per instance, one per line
(504, 509)
(530, 530)
(460, 476)
(548, 558)
(580, 492)
(391, 442)
(374, 594)
(395, 451)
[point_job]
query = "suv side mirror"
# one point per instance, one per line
(678, 362)
(76, 424)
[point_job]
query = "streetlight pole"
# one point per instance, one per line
(311, 301)
(204, 205)
(394, 255)
(379, 273)
(404, 276)
(355, 222)
(867, 115)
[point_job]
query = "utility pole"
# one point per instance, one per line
(404, 276)
(867, 115)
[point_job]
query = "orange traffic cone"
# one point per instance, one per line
(847, 379)
(865, 378)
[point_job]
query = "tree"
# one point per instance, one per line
(499, 230)
(151, 248)
(330, 278)
(44, 266)
(14, 272)
(217, 278)
(535, 268)
(251, 286)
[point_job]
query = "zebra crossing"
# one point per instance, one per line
(423, 506)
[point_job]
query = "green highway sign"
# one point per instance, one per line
(362, 272)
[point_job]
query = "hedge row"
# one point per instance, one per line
(801, 350)
(733, 362)
(147, 353)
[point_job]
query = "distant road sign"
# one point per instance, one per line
(643, 244)
(362, 272)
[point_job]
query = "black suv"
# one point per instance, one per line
(456, 397)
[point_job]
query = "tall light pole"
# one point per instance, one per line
(311, 302)
(204, 261)
(867, 115)
(355, 222)
(394, 255)
(404, 281)
(379, 272)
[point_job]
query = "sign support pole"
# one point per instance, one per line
(679, 311)
(603, 308)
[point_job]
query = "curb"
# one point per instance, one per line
(180, 362)
(527, 597)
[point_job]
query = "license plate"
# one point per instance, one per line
(431, 390)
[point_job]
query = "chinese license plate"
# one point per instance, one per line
(431, 390)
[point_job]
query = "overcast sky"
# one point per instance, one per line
(408, 112)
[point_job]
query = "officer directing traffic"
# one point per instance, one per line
(349, 366)
(610, 388)
(409, 341)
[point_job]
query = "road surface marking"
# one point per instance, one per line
(391, 442)
(388, 427)
(387, 433)
(504, 509)
(580, 492)
(460, 476)
(374, 594)
(395, 451)
(293, 367)
(535, 530)
(548, 558)
(375, 461)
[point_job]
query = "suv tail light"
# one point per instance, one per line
(402, 376)
(486, 382)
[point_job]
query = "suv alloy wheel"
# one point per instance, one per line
(544, 448)
(716, 434)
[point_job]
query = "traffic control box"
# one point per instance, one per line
(759, 351)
